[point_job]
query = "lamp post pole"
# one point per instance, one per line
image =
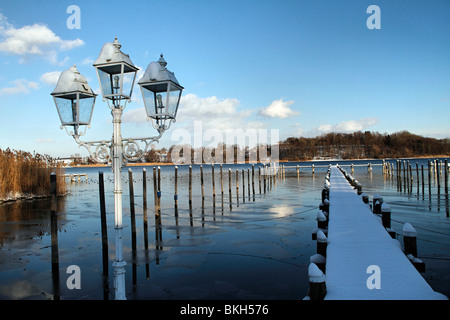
(119, 264)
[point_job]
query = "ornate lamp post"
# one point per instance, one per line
(74, 100)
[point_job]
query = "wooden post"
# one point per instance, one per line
(144, 187)
(190, 185)
(159, 178)
(298, 171)
(423, 181)
(321, 243)
(259, 171)
(386, 215)
(54, 237)
(417, 174)
(264, 176)
(175, 196)
(446, 176)
(248, 182)
(221, 180)
(101, 187)
(144, 216)
(377, 201)
(317, 285)
(155, 188)
(409, 239)
(132, 211)
(229, 184)
(213, 185)
(201, 182)
(237, 186)
(429, 177)
(322, 222)
(438, 176)
(243, 186)
(253, 181)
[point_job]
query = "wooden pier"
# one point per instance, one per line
(74, 177)
(357, 257)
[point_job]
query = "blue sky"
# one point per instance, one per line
(302, 67)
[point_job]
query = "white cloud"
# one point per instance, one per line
(214, 113)
(33, 40)
(279, 109)
(137, 116)
(344, 126)
(51, 77)
(19, 86)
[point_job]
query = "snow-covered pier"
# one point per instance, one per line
(363, 261)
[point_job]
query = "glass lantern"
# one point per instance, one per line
(74, 99)
(116, 73)
(161, 93)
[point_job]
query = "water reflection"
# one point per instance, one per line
(282, 210)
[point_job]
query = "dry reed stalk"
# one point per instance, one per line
(23, 174)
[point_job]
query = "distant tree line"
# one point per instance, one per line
(359, 145)
(356, 145)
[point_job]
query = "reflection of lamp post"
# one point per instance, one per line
(116, 73)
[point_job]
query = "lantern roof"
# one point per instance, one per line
(156, 72)
(71, 80)
(111, 54)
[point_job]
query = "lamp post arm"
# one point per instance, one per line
(102, 149)
(131, 149)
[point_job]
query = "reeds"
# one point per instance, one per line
(25, 175)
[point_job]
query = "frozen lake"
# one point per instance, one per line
(257, 249)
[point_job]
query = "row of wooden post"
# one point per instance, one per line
(404, 171)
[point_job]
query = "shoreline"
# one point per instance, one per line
(150, 164)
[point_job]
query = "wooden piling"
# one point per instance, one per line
(243, 186)
(175, 196)
(248, 182)
(446, 176)
(237, 185)
(264, 176)
(317, 284)
(423, 180)
(429, 177)
(144, 187)
(213, 185)
(253, 180)
(201, 182)
(155, 188)
(54, 237)
(221, 180)
(229, 184)
(159, 178)
(104, 228)
(438, 175)
(132, 211)
(409, 239)
(190, 185)
(321, 243)
(259, 175)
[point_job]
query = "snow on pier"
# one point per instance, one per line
(359, 247)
